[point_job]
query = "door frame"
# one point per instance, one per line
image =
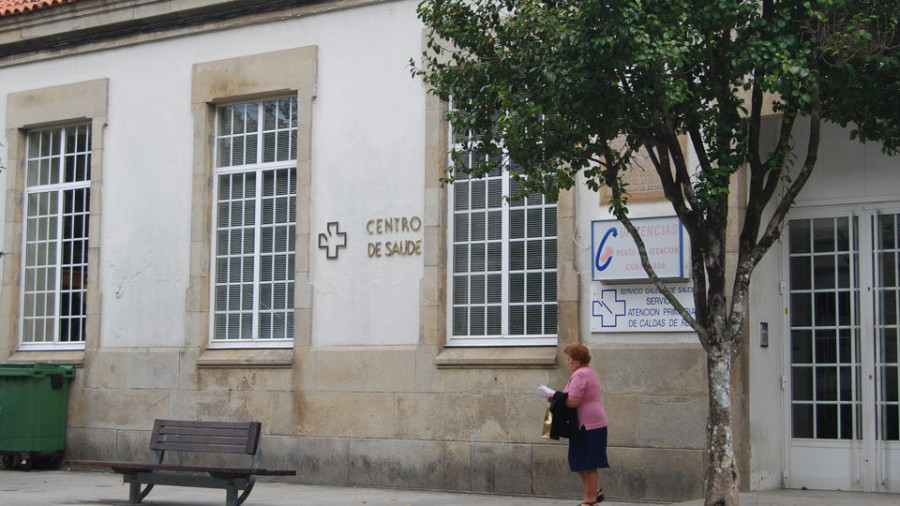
(866, 474)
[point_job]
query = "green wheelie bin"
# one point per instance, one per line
(33, 403)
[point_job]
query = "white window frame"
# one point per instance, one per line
(53, 282)
(504, 337)
(259, 168)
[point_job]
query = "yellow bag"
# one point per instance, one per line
(548, 421)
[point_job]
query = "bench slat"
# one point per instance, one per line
(203, 423)
(119, 466)
(204, 431)
(204, 447)
(238, 443)
(169, 436)
(217, 437)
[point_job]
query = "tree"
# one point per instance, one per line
(579, 88)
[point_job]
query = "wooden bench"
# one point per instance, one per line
(193, 436)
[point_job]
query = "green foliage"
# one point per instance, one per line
(573, 86)
(569, 87)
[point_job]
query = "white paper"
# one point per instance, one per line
(546, 389)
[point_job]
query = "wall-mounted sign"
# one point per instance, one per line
(614, 256)
(639, 308)
(396, 230)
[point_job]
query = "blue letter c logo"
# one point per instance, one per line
(608, 253)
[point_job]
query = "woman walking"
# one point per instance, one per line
(587, 449)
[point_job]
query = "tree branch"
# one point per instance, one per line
(660, 285)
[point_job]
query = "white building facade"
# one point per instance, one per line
(225, 209)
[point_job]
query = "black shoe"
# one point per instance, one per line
(600, 496)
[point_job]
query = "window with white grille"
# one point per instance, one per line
(503, 266)
(55, 259)
(255, 216)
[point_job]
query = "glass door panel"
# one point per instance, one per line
(824, 336)
(887, 328)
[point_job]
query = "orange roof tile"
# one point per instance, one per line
(11, 7)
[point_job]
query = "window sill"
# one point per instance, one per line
(518, 357)
(246, 358)
(62, 357)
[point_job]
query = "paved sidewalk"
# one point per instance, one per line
(810, 498)
(54, 488)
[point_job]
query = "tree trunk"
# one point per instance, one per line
(722, 477)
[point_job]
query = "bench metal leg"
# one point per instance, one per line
(231, 496)
(245, 493)
(135, 494)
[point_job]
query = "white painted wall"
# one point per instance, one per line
(367, 157)
(847, 171)
(767, 418)
(368, 163)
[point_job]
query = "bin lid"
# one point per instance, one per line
(37, 370)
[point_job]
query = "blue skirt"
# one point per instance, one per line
(588, 450)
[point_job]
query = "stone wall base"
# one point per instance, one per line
(491, 468)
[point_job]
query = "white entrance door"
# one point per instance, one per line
(843, 424)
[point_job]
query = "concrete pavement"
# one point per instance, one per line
(810, 498)
(53, 488)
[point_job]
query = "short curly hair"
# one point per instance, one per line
(579, 353)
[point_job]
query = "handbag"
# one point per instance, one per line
(548, 421)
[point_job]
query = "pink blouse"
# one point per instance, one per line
(584, 383)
